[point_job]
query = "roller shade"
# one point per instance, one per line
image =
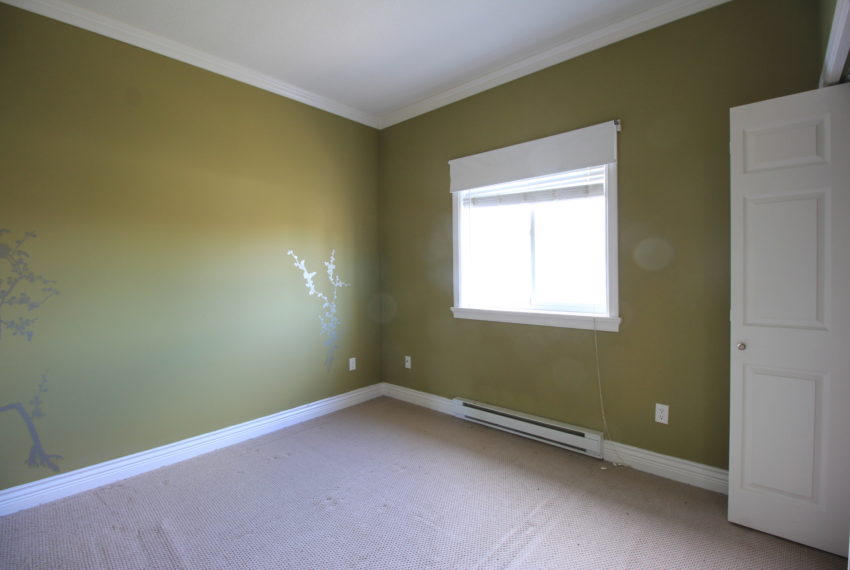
(590, 146)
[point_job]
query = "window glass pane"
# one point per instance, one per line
(496, 259)
(570, 255)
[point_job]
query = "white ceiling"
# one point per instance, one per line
(377, 62)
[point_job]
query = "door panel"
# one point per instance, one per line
(783, 408)
(791, 143)
(784, 239)
(789, 448)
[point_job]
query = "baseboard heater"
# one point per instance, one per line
(581, 440)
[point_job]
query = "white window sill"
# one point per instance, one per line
(543, 318)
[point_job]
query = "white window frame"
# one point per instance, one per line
(560, 153)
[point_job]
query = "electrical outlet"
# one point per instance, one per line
(352, 363)
(662, 413)
(408, 362)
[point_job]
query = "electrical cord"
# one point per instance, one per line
(606, 431)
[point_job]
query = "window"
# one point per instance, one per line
(536, 232)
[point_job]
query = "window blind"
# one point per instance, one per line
(580, 183)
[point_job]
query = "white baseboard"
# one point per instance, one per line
(424, 399)
(682, 470)
(66, 484)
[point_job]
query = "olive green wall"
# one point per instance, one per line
(826, 13)
(165, 199)
(672, 87)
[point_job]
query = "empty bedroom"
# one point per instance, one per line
(408, 284)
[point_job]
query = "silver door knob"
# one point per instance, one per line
(741, 346)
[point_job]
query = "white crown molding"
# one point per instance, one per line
(673, 10)
(69, 14)
(66, 484)
(838, 47)
(87, 20)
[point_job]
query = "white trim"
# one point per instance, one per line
(75, 16)
(422, 399)
(838, 47)
(93, 22)
(543, 318)
(563, 158)
(612, 263)
(682, 470)
(66, 484)
(640, 23)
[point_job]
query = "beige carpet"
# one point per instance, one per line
(390, 485)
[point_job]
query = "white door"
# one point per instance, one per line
(789, 456)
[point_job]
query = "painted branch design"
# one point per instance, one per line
(328, 317)
(38, 457)
(21, 290)
(11, 294)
